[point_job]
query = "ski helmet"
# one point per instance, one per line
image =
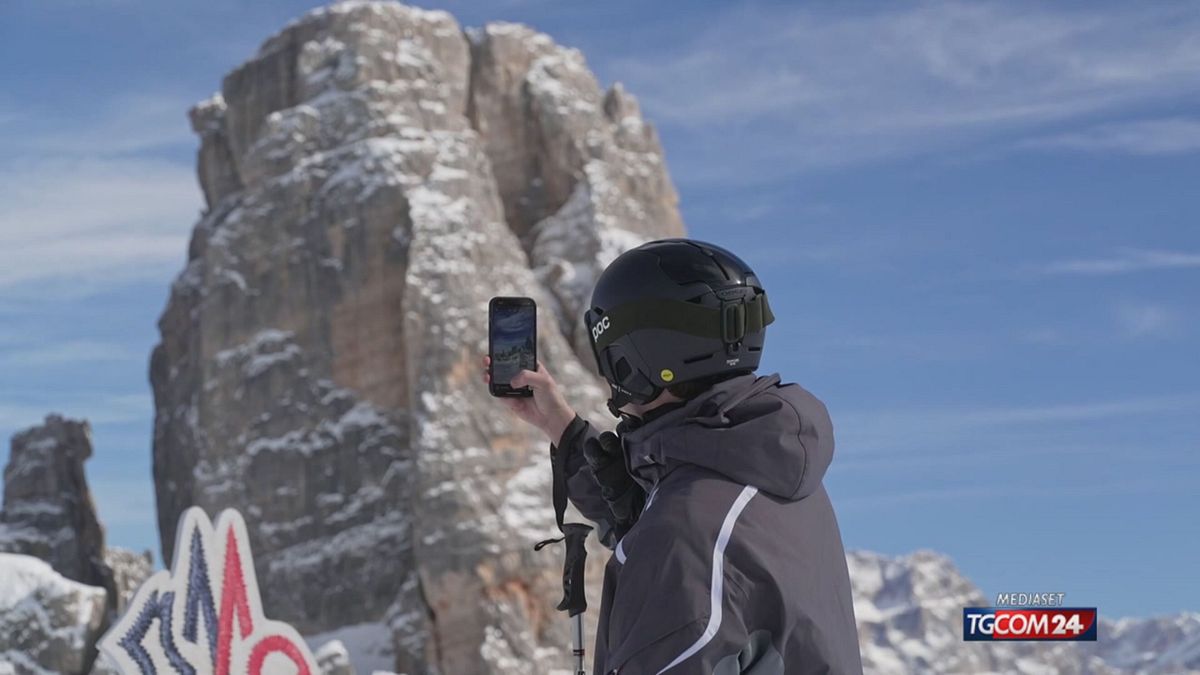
(673, 311)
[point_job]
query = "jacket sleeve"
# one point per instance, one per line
(582, 488)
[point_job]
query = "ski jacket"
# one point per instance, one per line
(735, 564)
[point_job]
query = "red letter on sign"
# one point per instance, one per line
(276, 644)
(233, 597)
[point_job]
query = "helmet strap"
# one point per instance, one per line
(619, 399)
(615, 410)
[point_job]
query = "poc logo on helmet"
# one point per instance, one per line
(599, 328)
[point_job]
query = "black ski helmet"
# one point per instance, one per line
(674, 311)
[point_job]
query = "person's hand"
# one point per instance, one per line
(546, 409)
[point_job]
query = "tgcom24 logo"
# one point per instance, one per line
(1030, 617)
(205, 616)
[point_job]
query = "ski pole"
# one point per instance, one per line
(574, 601)
(579, 651)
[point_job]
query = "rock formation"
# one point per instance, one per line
(54, 565)
(373, 176)
(48, 511)
(581, 174)
(48, 624)
(129, 570)
(333, 659)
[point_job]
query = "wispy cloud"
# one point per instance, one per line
(1065, 412)
(1125, 261)
(98, 409)
(93, 219)
(1169, 136)
(128, 123)
(983, 457)
(67, 352)
(1142, 320)
(1012, 490)
(809, 87)
(85, 204)
(883, 430)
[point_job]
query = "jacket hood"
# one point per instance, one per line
(776, 437)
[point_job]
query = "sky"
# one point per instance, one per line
(977, 223)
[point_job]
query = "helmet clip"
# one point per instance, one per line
(733, 321)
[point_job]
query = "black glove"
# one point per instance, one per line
(606, 457)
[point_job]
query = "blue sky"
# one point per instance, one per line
(977, 223)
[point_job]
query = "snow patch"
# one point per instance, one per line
(369, 645)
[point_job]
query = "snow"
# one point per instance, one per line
(18, 663)
(506, 28)
(318, 61)
(496, 651)
(261, 339)
(314, 553)
(27, 578)
(526, 511)
(30, 509)
(368, 644)
(33, 597)
(614, 242)
(233, 276)
(573, 246)
(546, 82)
(411, 54)
(267, 349)
(361, 416)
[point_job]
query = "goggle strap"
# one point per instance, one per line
(734, 319)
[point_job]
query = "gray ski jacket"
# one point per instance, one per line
(735, 565)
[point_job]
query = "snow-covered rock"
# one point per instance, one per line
(581, 174)
(48, 516)
(48, 511)
(48, 623)
(368, 646)
(1154, 646)
(333, 659)
(129, 570)
(319, 362)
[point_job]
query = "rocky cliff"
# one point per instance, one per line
(129, 570)
(59, 584)
(48, 511)
(373, 176)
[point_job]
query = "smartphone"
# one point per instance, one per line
(512, 343)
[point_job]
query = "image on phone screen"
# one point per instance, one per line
(513, 339)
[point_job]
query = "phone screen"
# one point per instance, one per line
(513, 339)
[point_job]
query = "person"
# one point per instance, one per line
(727, 558)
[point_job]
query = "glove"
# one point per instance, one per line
(606, 457)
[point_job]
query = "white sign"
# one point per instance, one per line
(204, 616)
